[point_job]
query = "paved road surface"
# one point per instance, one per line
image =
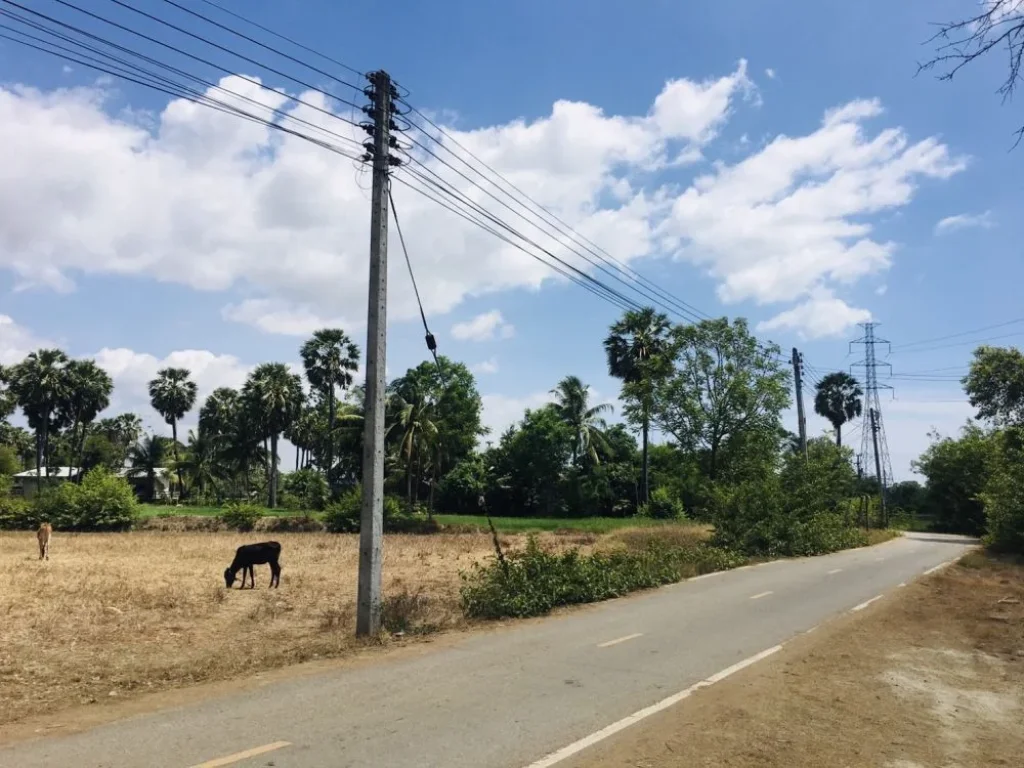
(509, 698)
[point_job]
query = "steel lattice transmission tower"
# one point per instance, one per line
(874, 450)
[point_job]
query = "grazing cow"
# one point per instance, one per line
(249, 555)
(43, 534)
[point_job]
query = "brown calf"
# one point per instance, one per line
(43, 534)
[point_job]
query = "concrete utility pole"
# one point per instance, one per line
(371, 521)
(799, 382)
(878, 469)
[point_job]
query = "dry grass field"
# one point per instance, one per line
(110, 615)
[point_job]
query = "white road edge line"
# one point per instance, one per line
(902, 584)
(759, 595)
(618, 640)
(866, 603)
(833, 571)
(587, 741)
(938, 567)
(703, 576)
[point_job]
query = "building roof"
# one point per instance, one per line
(55, 472)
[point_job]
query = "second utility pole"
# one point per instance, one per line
(798, 379)
(371, 519)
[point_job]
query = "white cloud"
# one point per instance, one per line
(964, 221)
(486, 366)
(790, 220)
(483, 327)
(502, 411)
(203, 199)
(821, 315)
(16, 341)
(881, 290)
(769, 73)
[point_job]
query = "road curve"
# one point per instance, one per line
(528, 695)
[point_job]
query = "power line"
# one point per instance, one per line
(958, 335)
(279, 36)
(431, 342)
(548, 216)
(135, 69)
(960, 343)
(204, 61)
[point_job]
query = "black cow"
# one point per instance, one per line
(249, 555)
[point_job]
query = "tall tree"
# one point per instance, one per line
(147, 458)
(724, 389)
(572, 403)
(637, 348)
(219, 412)
(173, 394)
(274, 394)
(838, 399)
(330, 358)
(418, 433)
(995, 385)
(123, 431)
(88, 393)
(40, 385)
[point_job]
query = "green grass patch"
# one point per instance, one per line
(166, 510)
(541, 524)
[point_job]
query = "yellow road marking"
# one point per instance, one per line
(229, 759)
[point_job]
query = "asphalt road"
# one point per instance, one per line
(511, 698)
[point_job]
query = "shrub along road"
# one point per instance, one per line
(511, 698)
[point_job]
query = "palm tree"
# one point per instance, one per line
(638, 348)
(146, 458)
(202, 462)
(838, 399)
(219, 412)
(274, 394)
(89, 389)
(173, 394)
(40, 385)
(572, 404)
(330, 358)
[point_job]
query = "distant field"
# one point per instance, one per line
(503, 524)
(526, 524)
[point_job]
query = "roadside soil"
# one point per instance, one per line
(931, 676)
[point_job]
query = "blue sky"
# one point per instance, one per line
(781, 163)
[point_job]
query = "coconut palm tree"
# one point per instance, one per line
(637, 348)
(88, 393)
(572, 403)
(173, 394)
(413, 417)
(40, 384)
(201, 462)
(147, 458)
(838, 399)
(274, 395)
(330, 358)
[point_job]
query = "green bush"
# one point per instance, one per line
(17, 515)
(342, 516)
(304, 489)
(241, 516)
(103, 502)
(664, 506)
(533, 581)
(1004, 497)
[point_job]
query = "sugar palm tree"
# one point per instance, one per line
(637, 348)
(173, 394)
(838, 399)
(88, 393)
(274, 395)
(572, 403)
(330, 358)
(40, 384)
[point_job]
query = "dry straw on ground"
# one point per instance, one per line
(113, 614)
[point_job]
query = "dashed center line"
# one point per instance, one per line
(618, 640)
(834, 571)
(229, 759)
(760, 595)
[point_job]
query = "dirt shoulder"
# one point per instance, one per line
(931, 676)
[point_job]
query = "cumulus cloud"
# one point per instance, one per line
(769, 73)
(200, 198)
(502, 411)
(964, 221)
(791, 219)
(16, 341)
(483, 327)
(821, 315)
(486, 366)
